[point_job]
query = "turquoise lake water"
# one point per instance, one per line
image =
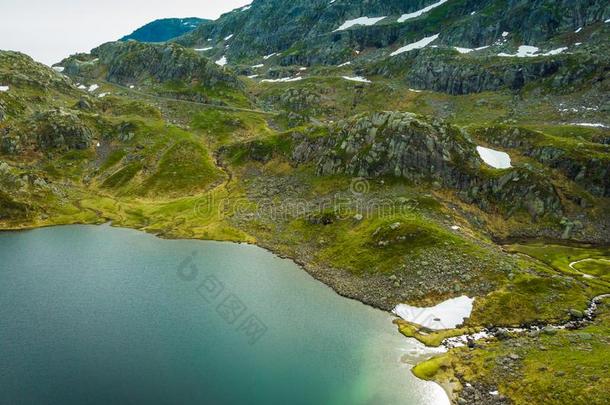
(102, 315)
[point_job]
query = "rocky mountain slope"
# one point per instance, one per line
(471, 46)
(164, 29)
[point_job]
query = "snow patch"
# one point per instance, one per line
(344, 64)
(446, 315)
(468, 50)
(528, 51)
(204, 49)
(494, 158)
(357, 79)
(222, 61)
(589, 124)
(58, 69)
(4, 89)
(282, 80)
(424, 10)
(422, 43)
(367, 21)
(93, 87)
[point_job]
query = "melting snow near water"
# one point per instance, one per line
(446, 315)
(494, 158)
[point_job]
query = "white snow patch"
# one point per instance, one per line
(58, 69)
(222, 61)
(555, 51)
(415, 91)
(271, 55)
(578, 30)
(524, 51)
(102, 95)
(588, 124)
(132, 86)
(82, 87)
(357, 79)
(422, 43)
(257, 66)
(424, 10)
(228, 37)
(282, 80)
(505, 34)
(4, 89)
(494, 158)
(463, 50)
(359, 21)
(253, 76)
(446, 315)
(528, 51)
(204, 49)
(455, 228)
(93, 87)
(344, 64)
(468, 50)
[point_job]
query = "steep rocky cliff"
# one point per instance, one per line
(134, 62)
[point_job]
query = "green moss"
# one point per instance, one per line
(11, 209)
(184, 168)
(569, 366)
(430, 338)
(429, 369)
(112, 159)
(122, 176)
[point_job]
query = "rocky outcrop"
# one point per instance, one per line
(58, 129)
(445, 71)
(586, 163)
(133, 62)
(275, 25)
(411, 147)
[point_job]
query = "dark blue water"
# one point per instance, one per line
(99, 315)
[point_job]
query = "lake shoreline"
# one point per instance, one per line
(314, 272)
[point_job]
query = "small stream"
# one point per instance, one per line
(588, 317)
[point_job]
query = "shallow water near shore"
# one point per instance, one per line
(97, 315)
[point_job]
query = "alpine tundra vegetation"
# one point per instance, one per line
(401, 151)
